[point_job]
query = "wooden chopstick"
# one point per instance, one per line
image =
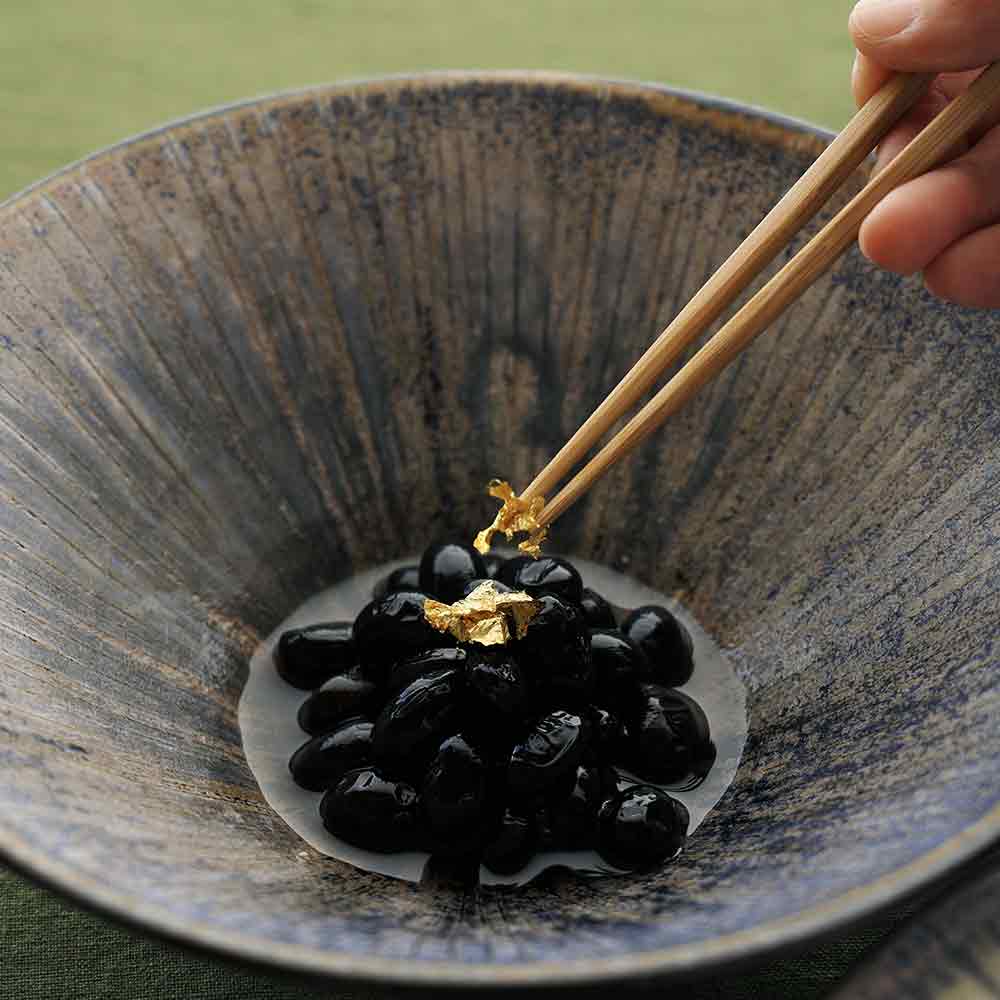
(930, 147)
(802, 201)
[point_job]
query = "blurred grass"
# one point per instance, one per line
(76, 76)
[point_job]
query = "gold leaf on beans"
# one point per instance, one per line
(486, 616)
(516, 516)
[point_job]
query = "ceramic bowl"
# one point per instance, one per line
(252, 352)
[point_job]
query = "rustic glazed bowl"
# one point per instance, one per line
(250, 353)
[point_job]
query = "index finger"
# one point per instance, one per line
(927, 35)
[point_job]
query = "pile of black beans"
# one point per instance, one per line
(493, 753)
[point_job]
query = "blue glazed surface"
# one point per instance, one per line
(249, 354)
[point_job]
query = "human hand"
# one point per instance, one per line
(945, 223)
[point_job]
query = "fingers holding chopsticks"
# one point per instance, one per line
(936, 211)
(938, 223)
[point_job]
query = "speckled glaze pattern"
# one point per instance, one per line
(247, 354)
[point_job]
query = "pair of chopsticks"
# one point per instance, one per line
(847, 151)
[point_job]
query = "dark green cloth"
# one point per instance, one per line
(50, 949)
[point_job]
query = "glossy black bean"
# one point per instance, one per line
(545, 575)
(665, 643)
(555, 651)
(495, 682)
(500, 588)
(606, 743)
(558, 791)
(372, 811)
(556, 625)
(445, 570)
(548, 835)
(394, 627)
(450, 873)
(514, 844)
(617, 665)
(552, 747)
(306, 657)
(492, 734)
(670, 739)
(405, 671)
(339, 698)
(493, 563)
(597, 612)
(419, 716)
(456, 798)
(402, 578)
(641, 827)
(572, 821)
(321, 762)
(508, 569)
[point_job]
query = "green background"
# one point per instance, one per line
(76, 76)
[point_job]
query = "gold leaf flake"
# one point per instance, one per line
(486, 616)
(514, 517)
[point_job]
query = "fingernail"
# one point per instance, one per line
(880, 19)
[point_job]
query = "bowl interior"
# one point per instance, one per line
(246, 355)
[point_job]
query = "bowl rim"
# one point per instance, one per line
(738, 948)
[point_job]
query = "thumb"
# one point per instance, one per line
(927, 35)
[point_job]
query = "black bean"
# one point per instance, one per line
(551, 749)
(321, 762)
(617, 665)
(403, 672)
(403, 578)
(306, 657)
(456, 798)
(392, 628)
(606, 744)
(339, 698)
(572, 822)
(493, 563)
(372, 811)
(514, 844)
(446, 569)
(498, 587)
(545, 575)
(555, 651)
(597, 612)
(420, 715)
(641, 827)
(665, 643)
(496, 683)
(670, 739)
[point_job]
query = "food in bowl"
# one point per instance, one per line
(499, 712)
